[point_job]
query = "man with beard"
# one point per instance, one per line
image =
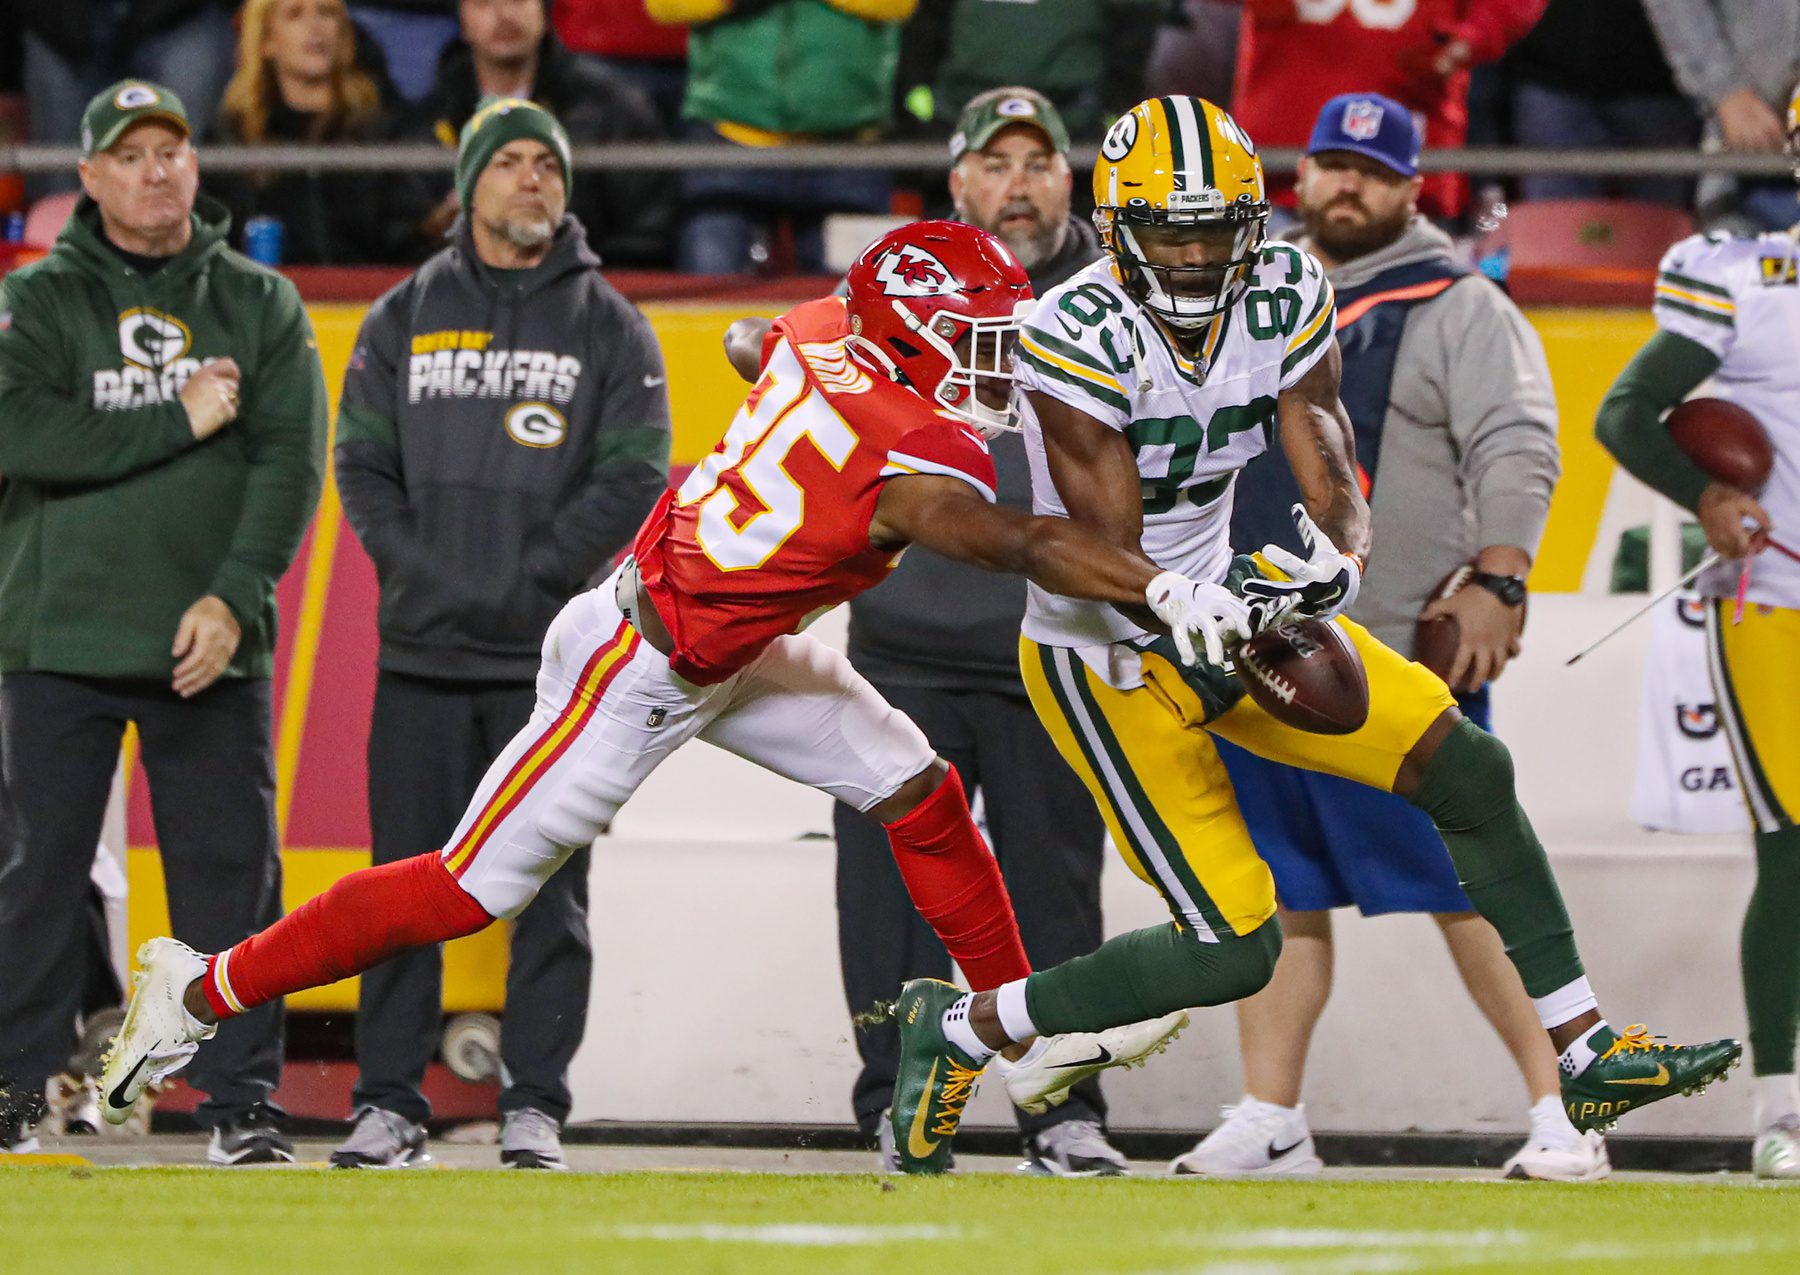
(940, 640)
(504, 430)
(1450, 397)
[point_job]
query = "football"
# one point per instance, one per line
(1306, 674)
(1726, 441)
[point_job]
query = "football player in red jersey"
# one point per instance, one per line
(863, 434)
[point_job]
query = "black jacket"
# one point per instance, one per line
(944, 625)
(499, 441)
(630, 216)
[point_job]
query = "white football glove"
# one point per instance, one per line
(1211, 610)
(1321, 585)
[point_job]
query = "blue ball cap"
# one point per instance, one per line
(1371, 125)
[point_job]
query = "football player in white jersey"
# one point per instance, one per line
(1728, 309)
(1151, 378)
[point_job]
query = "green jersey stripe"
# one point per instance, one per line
(1117, 402)
(1299, 356)
(1069, 350)
(1723, 320)
(1692, 284)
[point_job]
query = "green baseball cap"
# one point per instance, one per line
(987, 113)
(126, 103)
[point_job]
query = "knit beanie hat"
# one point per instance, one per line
(500, 120)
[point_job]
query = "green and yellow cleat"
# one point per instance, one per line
(1637, 1070)
(935, 1079)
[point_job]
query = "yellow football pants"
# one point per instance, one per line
(1757, 680)
(1146, 757)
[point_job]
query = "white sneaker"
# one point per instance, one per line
(1055, 1064)
(1257, 1139)
(1777, 1150)
(1585, 1161)
(159, 1035)
(1073, 1149)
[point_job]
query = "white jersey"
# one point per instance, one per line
(1192, 424)
(1740, 298)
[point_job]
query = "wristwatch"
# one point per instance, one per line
(1509, 589)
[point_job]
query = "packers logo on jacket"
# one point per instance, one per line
(460, 363)
(154, 363)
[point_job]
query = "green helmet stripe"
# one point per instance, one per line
(1188, 123)
(1177, 146)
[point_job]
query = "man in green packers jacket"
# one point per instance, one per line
(162, 444)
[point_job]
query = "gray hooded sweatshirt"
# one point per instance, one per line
(1468, 446)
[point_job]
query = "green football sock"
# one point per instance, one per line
(1148, 973)
(1771, 953)
(1467, 789)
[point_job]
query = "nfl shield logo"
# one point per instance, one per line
(1362, 120)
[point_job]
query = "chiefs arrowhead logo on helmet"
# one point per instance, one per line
(911, 271)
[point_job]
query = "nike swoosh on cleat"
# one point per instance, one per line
(1099, 1059)
(116, 1097)
(917, 1144)
(1660, 1078)
(1275, 1152)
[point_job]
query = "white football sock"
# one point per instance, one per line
(1550, 1125)
(1015, 1018)
(1580, 1055)
(1565, 1004)
(961, 1032)
(1777, 1097)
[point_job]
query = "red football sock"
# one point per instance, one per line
(359, 922)
(956, 885)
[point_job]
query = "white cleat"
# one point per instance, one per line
(159, 1035)
(1055, 1064)
(1585, 1161)
(1256, 1140)
(1776, 1155)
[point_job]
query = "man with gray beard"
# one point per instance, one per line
(504, 431)
(941, 640)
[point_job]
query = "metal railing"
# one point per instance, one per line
(680, 156)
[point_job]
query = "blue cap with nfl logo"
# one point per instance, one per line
(1372, 125)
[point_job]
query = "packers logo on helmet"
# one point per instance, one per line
(1181, 208)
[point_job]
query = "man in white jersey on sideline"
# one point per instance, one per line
(1728, 309)
(1151, 378)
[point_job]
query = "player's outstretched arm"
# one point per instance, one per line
(948, 516)
(1320, 446)
(1094, 470)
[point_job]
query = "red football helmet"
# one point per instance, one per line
(937, 305)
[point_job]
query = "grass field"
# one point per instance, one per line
(193, 1222)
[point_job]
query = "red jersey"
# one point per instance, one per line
(773, 527)
(1296, 55)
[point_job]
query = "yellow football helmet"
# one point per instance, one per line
(1179, 171)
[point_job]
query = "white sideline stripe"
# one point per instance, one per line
(1325, 1237)
(1149, 849)
(1535, 1249)
(793, 1234)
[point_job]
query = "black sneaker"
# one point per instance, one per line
(252, 1136)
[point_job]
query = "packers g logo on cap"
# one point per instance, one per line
(133, 96)
(536, 425)
(1017, 108)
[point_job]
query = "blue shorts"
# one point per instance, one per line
(1330, 842)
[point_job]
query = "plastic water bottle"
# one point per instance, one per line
(262, 240)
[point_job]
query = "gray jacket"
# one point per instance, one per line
(1468, 447)
(1715, 46)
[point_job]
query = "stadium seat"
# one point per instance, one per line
(45, 220)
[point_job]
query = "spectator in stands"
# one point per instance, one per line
(163, 453)
(744, 87)
(941, 642)
(74, 48)
(1449, 394)
(1737, 60)
(621, 37)
(410, 34)
(486, 501)
(1195, 50)
(297, 81)
(1295, 54)
(1086, 56)
(1591, 74)
(508, 50)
